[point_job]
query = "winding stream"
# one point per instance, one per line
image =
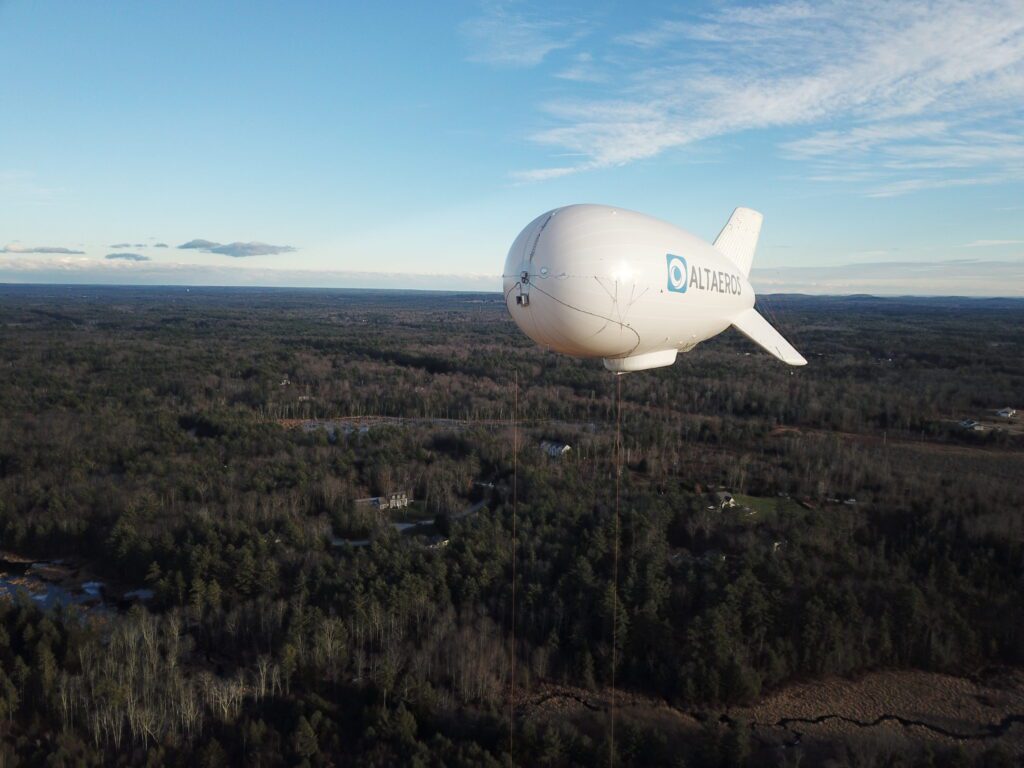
(989, 730)
(982, 731)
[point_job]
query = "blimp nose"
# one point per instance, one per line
(519, 277)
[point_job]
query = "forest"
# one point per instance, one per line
(212, 450)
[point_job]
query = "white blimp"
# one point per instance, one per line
(595, 281)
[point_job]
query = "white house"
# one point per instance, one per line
(724, 500)
(1008, 413)
(394, 501)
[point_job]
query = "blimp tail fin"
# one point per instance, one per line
(738, 239)
(759, 331)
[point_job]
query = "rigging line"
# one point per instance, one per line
(615, 561)
(599, 317)
(509, 291)
(515, 504)
(782, 317)
(772, 315)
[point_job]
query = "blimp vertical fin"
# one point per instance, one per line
(738, 239)
(759, 331)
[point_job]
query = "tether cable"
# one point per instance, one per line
(515, 504)
(615, 560)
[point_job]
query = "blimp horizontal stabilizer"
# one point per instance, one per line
(759, 331)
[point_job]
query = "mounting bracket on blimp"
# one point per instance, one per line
(596, 281)
(523, 297)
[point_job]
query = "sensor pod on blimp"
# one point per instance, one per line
(595, 281)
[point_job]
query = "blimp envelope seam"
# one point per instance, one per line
(539, 233)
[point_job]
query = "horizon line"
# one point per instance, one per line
(189, 287)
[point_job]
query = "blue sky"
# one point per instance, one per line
(405, 145)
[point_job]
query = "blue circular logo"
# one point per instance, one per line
(676, 273)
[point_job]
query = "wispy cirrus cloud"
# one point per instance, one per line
(582, 69)
(897, 157)
(23, 187)
(52, 249)
(991, 243)
(894, 97)
(958, 277)
(504, 35)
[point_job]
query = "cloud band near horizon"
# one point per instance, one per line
(962, 277)
(236, 249)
